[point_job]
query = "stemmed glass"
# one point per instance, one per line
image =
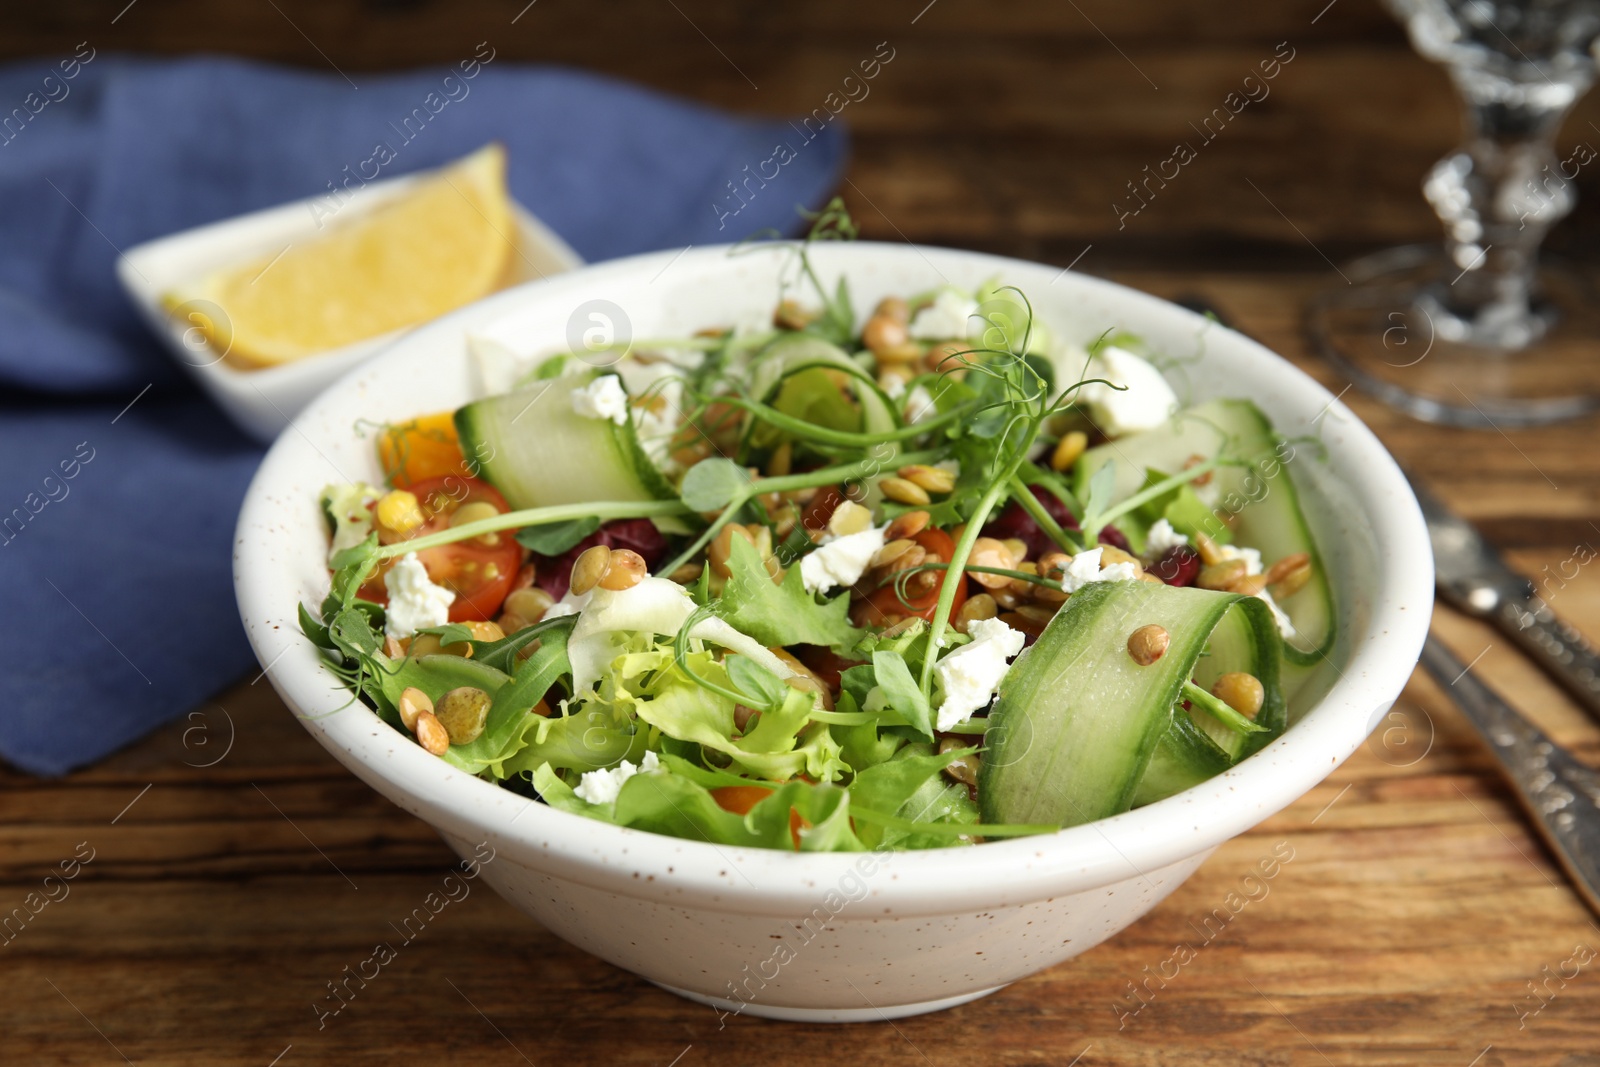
(1477, 332)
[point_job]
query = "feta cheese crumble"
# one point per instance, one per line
(658, 416)
(415, 603)
(1146, 402)
(602, 398)
(602, 786)
(920, 406)
(968, 676)
(1086, 567)
(840, 560)
(948, 318)
(1162, 538)
(1285, 625)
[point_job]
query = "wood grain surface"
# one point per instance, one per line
(236, 868)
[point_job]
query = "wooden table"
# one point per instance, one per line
(230, 881)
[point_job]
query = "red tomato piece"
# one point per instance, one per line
(479, 574)
(887, 601)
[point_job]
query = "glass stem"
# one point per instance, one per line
(1497, 195)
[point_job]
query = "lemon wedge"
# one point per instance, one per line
(444, 242)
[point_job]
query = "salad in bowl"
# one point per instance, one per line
(925, 576)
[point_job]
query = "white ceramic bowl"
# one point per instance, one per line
(840, 936)
(261, 401)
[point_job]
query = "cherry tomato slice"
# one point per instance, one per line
(888, 602)
(479, 574)
(821, 509)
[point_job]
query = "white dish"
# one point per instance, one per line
(870, 937)
(262, 402)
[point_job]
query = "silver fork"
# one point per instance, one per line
(1561, 795)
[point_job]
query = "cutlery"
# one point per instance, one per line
(1561, 795)
(1474, 579)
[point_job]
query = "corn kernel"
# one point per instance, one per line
(399, 510)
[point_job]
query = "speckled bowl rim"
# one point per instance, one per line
(756, 881)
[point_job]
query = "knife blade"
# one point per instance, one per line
(1473, 578)
(1561, 795)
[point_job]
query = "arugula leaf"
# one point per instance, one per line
(351, 567)
(511, 710)
(451, 633)
(902, 691)
(502, 654)
(315, 632)
(436, 675)
(783, 614)
(351, 631)
(554, 538)
(713, 484)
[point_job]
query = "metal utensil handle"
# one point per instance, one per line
(1554, 645)
(1561, 794)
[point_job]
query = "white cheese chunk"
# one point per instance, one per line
(1086, 567)
(948, 318)
(969, 675)
(1162, 538)
(415, 603)
(840, 560)
(1279, 616)
(658, 416)
(1146, 402)
(602, 786)
(602, 398)
(920, 406)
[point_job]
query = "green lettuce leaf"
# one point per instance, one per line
(678, 802)
(909, 786)
(782, 743)
(590, 738)
(779, 615)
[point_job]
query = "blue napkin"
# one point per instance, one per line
(119, 484)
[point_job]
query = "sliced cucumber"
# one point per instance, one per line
(1262, 495)
(1077, 722)
(1245, 640)
(539, 452)
(1185, 756)
(796, 353)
